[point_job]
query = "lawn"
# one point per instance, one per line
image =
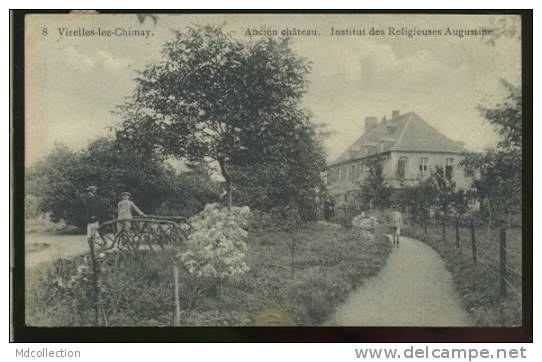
(328, 263)
(479, 284)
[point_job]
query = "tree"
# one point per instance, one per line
(54, 180)
(498, 170)
(506, 117)
(191, 190)
(375, 192)
(60, 179)
(461, 204)
(443, 191)
(294, 178)
(217, 98)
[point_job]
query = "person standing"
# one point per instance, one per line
(92, 212)
(125, 208)
(396, 220)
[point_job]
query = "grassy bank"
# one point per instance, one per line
(478, 284)
(328, 263)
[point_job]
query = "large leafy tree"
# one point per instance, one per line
(498, 170)
(216, 98)
(59, 181)
(506, 117)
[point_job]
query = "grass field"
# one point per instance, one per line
(328, 263)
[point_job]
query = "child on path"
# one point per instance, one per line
(396, 220)
(125, 208)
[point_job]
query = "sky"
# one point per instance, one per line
(73, 83)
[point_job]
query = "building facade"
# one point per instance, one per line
(409, 149)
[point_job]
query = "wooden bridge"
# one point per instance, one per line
(147, 232)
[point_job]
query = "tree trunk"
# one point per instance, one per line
(227, 177)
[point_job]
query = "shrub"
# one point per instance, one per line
(138, 286)
(216, 246)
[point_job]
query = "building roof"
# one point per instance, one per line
(407, 132)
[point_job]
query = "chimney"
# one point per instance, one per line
(370, 123)
(394, 114)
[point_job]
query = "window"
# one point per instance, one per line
(360, 170)
(449, 168)
(353, 173)
(424, 165)
(402, 167)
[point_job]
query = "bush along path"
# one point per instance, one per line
(412, 289)
(328, 264)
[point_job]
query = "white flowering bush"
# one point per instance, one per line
(364, 222)
(217, 245)
(364, 227)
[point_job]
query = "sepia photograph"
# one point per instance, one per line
(273, 170)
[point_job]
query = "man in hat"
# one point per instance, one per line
(92, 211)
(396, 220)
(125, 208)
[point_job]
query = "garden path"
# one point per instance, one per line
(412, 289)
(59, 246)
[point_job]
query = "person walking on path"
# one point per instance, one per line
(125, 208)
(396, 220)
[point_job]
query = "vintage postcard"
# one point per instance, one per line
(274, 169)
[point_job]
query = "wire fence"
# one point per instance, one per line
(495, 251)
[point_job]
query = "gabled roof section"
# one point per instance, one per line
(407, 132)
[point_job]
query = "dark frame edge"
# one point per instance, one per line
(19, 332)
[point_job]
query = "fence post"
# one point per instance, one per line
(95, 277)
(473, 241)
(443, 227)
(503, 261)
(457, 239)
(177, 320)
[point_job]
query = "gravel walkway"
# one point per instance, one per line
(413, 289)
(59, 246)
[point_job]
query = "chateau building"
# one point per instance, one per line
(409, 149)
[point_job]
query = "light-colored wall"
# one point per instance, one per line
(412, 173)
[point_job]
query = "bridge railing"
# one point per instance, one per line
(148, 231)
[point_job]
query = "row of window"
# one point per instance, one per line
(403, 166)
(347, 173)
(358, 171)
